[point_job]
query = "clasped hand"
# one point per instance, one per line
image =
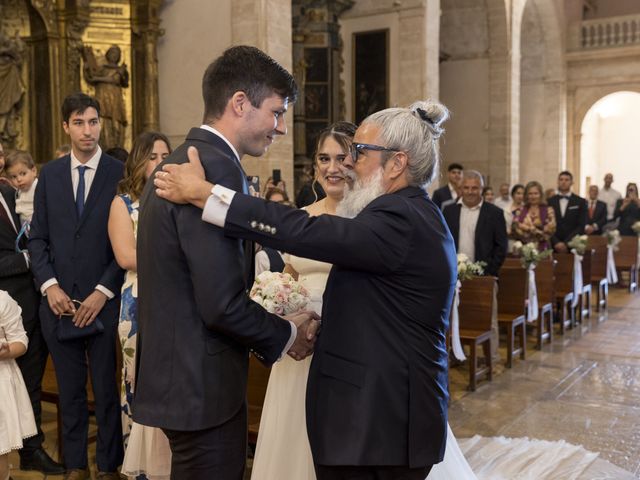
(308, 323)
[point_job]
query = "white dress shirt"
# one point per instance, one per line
(89, 175)
(503, 203)
(215, 212)
(564, 202)
(610, 197)
(467, 231)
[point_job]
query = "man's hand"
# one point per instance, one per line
(589, 229)
(308, 324)
(561, 247)
(89, 309)
(59, 302)
(184, 183)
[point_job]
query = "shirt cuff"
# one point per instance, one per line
(47, 284)
(217, 206)
(105, 290)
(292, 338)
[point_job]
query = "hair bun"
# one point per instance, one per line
(433, 114)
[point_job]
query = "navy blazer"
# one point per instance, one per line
(76, 251)
(196, 322)
(574, 220)
(377, 389)
(599, 216)
(491, 242)
(442, 195)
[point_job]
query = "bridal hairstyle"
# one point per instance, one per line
(342, 132)
(135, 167)
(415, 131)
(246, 69)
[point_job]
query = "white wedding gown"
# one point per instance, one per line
(283, 448)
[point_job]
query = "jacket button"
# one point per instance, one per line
(77, 235)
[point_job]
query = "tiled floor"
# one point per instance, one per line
(584, 388)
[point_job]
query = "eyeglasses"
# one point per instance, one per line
(359, 148)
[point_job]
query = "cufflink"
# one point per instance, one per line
(253, 224)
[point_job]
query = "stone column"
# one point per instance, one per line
(266, 24)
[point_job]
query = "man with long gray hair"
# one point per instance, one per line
(377, 388)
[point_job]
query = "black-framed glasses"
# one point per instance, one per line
(359, 148)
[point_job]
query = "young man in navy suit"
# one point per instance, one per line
(571, 213)
(74, 267)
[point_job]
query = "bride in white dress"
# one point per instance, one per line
(283, 448)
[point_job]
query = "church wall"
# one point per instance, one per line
(195, 33)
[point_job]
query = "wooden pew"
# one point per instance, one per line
(512, 295)
(475, 310)
(256, 390)
(627, 260)
(598, 246)
(563, 287)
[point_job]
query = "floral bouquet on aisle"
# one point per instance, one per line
(579, 244)
(529, 253)
(467, 268)
(636, 227)
(613, 238)
(279, 293)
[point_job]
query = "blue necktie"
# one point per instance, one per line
(80, 191)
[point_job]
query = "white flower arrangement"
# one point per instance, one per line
(636, 227)
(529, 253)
(613, 238)
(467, 268)
(579, 244)
(279, 293)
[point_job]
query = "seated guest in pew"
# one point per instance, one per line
(628, 210)
(478, 228)
(570, 211)
(596, 213)
(535, 221)
(448, 194)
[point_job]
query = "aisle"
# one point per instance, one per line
(584, 389)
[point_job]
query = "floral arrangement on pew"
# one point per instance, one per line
(530, 256)
(467, 268)
(279, 293)
(579, 244)
(636, 227)
(613, 239)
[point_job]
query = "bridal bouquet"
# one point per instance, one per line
(636, 227)
(279, 293)
(579, 244)
(613, 238)
(529, 253)
(467, 268)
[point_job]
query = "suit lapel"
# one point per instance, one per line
(67, 194)
(97, 185)
(481, 220)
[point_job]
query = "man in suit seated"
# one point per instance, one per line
(596, 213)
(450, 192)
(571, 213)
(478, 228)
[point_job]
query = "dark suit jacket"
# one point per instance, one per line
(599, 216)
(15, 276)
(491, 241)
(574, 220)
(196, 322)
(627, 217)
(441, 195)
(377, 389)
(76, 251)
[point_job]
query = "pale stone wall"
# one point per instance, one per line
(195, 33)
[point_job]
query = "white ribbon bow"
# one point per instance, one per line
(577, 278)
(456, 345)
(612, 274)
(532, 304)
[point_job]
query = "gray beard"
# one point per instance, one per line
(360, 195)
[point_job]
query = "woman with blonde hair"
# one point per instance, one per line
(147, 453)
(534, 221)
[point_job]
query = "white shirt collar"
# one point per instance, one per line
(92, 163)
(209, 128)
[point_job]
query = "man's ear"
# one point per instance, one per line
(397, 164)
(239, 103)
(65, 127)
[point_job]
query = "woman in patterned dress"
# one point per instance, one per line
(147, 449)
(534, 221)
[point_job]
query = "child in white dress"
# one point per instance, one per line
(16, 414)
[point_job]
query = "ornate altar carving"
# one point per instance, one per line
(12, 87)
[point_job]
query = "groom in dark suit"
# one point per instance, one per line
(196, 322)
(72, 259)
(377, 389)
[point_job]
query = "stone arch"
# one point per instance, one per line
(543, 92)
